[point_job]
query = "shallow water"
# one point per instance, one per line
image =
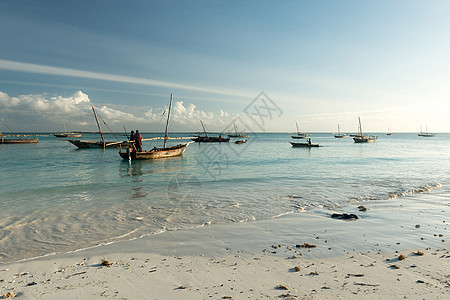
(55, 198)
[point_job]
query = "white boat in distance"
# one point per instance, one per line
(426, 133)
(339, 135)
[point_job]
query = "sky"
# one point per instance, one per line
(319, 63)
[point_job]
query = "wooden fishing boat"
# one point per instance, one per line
(205, 138)
(426, 133)
(304, 145)
(236, 134)
(300, 135)
(240, 142)
(17, 139)
(361, 138)
(131, 154)
(389, 132)
(66, 134)
(339, 134)
(99, 144)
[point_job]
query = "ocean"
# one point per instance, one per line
(57, 198)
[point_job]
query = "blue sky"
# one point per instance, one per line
(321, 62)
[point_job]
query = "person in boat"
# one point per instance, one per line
(132, 135)
(138, 141)
(309, 141)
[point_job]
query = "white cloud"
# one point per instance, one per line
(44, 113)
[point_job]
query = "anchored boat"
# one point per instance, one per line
(67, 134)
(17, 139)
(99, 144)
(205, 138)
(361, 138)
(300, 135)
(132, 154)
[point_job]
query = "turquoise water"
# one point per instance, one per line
(54, 197)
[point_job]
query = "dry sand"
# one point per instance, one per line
(258, 276)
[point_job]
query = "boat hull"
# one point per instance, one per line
(364, 139)
(18, 141)
(304, 145)
(99, 144)
(155, 153)
(299, 136)
(241, 142)
(238, 135)
(211, 139)
(66, 135)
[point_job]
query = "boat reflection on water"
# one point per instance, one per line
(138, 168)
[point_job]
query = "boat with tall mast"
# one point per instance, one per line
(205, 138)
(426, 133)
(339, 134)
(237, 134)
(67, 134)
(131, 154)
(300, 135)
(361, 138)
(99, 144)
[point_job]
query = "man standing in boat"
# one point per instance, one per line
(138, 141)
(132, 135)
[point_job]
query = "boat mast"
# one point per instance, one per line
(99, 128)
(65, 130)
(298, 131)
(204, 130)
(360, 127)
(339, 130)
(235, 128)
(167, 124)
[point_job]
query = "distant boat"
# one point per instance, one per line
(339, 134)
(361, 138)
(205, 138)
(300, 135)
(67, 134)
(240, 142)
(99, 144)
(131, 153)
(236, 134)
(17, 139)
(304, 145)
(389, 132)
(426, 133)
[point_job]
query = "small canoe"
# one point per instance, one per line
(240, 142)
(304, 145)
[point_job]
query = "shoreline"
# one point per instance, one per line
(254, 260)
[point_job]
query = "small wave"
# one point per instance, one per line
(397, 194)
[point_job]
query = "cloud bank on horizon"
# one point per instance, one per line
(45, 113)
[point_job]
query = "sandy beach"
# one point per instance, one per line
(322, 258)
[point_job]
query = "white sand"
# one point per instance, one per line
(153, 276)
(244, 261)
